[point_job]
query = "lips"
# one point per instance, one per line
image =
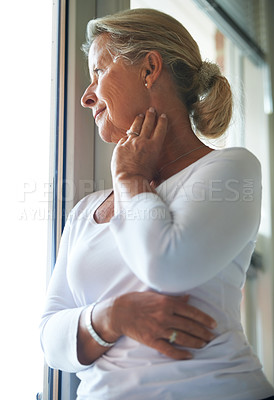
(98, 112)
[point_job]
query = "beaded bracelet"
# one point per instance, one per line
(89, 327)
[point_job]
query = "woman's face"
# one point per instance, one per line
(117, 93)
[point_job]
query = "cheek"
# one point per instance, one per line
(123, 98)
(120, 107)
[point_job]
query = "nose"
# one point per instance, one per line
(89, 98)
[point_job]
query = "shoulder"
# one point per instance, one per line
(240, 155)
(237, 161)
(237, 153)
(242, 163)
(229, 174)
(232, 162)
(235, 164)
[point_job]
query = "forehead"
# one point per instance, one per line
(98, 51)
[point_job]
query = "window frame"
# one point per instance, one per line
(78, 158)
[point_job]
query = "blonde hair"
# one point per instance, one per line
(200, 85)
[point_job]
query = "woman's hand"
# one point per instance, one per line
(137, 155)
(134, 159)
(152, 318)
(149, 318)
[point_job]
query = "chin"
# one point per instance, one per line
(105, 138)
(111, 135)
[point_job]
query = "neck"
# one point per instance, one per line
(181, 148)
(180, 138)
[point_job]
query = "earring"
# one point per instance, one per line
(146, 84)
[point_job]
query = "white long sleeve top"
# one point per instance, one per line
(195, 236)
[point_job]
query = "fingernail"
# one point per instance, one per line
(141, 115)
(151, 109)
(163, 115)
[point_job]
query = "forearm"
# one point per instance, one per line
(66, 341)
(169, 248)
(88, 349)
(147, 318)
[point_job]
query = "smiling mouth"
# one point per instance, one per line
(99, 112)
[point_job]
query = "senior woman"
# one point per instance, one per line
(141, 267)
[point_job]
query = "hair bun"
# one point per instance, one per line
(207, 72)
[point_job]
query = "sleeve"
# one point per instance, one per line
(59, 322)
(174, 248)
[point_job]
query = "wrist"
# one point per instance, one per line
(101, 320)
(92, 331)
(128, 178)
(116, 316)
(128, 186)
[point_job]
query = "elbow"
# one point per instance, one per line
(58, 337)
(48, 350)
(55, 358)
(167, 274)
(164, 276)
(47, 355)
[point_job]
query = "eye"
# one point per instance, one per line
(97, 71)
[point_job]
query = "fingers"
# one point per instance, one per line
(137, 124)
(149, 123)
(144, 124)
(149, 318)
(185, 310)
(185, 328)
(160, 130)
(184, 339)
(170, 351)
(148, 126)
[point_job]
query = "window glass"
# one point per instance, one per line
(24, 125)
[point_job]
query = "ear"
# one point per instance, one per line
(152, 68)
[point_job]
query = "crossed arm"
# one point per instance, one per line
(149, 318)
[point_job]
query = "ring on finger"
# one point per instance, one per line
(129, 132)
(172, 337)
